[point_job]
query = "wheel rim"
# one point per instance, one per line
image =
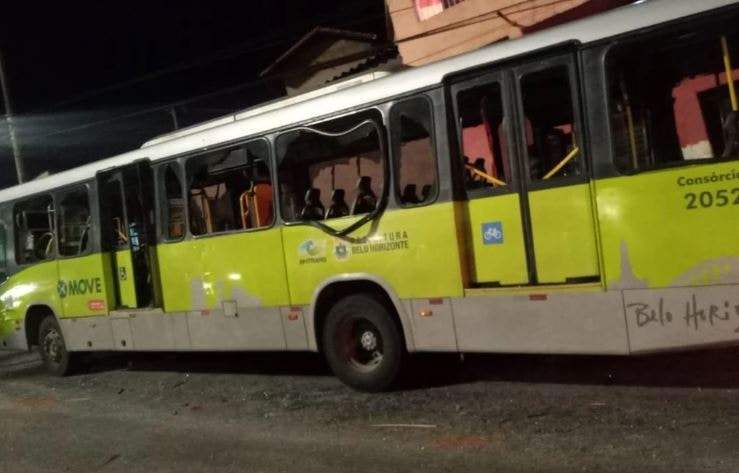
(360, 344)
(53, 346)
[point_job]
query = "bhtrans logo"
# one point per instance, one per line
(80, 287)
(312, 251)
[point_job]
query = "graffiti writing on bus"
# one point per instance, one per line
(690, 312)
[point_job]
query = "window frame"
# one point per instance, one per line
(4, 266)
(396, 154)
(225, 147)
(162, 207)
(365, 117)
(701, 28)
(569, 59)
(16, 234)
(501, 76)
(58, 197)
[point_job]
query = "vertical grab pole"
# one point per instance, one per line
(729, 75)
(629, 122)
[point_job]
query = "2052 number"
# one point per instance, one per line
(706, 199)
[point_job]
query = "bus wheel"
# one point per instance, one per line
(362, 343)
(57, 360)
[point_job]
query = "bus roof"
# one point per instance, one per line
(268, 117)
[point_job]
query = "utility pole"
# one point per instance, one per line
(9, 118)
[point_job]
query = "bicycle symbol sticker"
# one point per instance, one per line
(492, 233)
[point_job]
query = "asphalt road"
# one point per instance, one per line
(286, 413)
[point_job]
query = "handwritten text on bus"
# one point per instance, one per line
(690, 312)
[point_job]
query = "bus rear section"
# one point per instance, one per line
(668, 222)
(602, 196)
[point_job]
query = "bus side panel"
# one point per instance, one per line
(34, 285)
(558, 320)
(231, 286)
(83, 287)
(414, 250)
(504, 260)
(126, 279)
(673, 228)
(564, 233)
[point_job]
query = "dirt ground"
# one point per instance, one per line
(285, 413)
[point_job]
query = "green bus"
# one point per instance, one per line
(573, 191)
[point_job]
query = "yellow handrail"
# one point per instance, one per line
(561, 164)
(50, 246)
(729, 75)
(487, 177)
(244, 207)
(119, 229)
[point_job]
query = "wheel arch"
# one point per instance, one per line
(34, 315)
(334, 288)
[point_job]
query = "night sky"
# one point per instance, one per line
(71, 66)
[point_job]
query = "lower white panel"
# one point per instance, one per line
(293, 324)
(660, 319)
(87, 333)
(15, 340)
(586, 323)
(122, 336)
(251, 329)
(434, 330)
(160, 331)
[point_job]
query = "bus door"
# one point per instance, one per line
(529, 214)
(494, 223)
(128, 234)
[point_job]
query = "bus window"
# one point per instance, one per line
(670, 101)
(483, 137)
(230, 189)
(415, 164)
(173, 207)
(73, 220)
(549, 124)
(330, 170)
(3, 253)
(34, 230)
(117, 215)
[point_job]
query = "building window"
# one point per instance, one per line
(34, 230)
(73, 220)
(332, 169)
(426, 9)
(230, 189)
(413, 144)
(670, 102)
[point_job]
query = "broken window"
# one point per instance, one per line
(549, 124)
(670, 102)
(173, 207)
(483, 137)
(230, 189)
(332, 169)
(74, 223)
(34, 230)
(415, 154)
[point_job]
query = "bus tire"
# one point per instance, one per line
(362, 343)
(57, 360)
